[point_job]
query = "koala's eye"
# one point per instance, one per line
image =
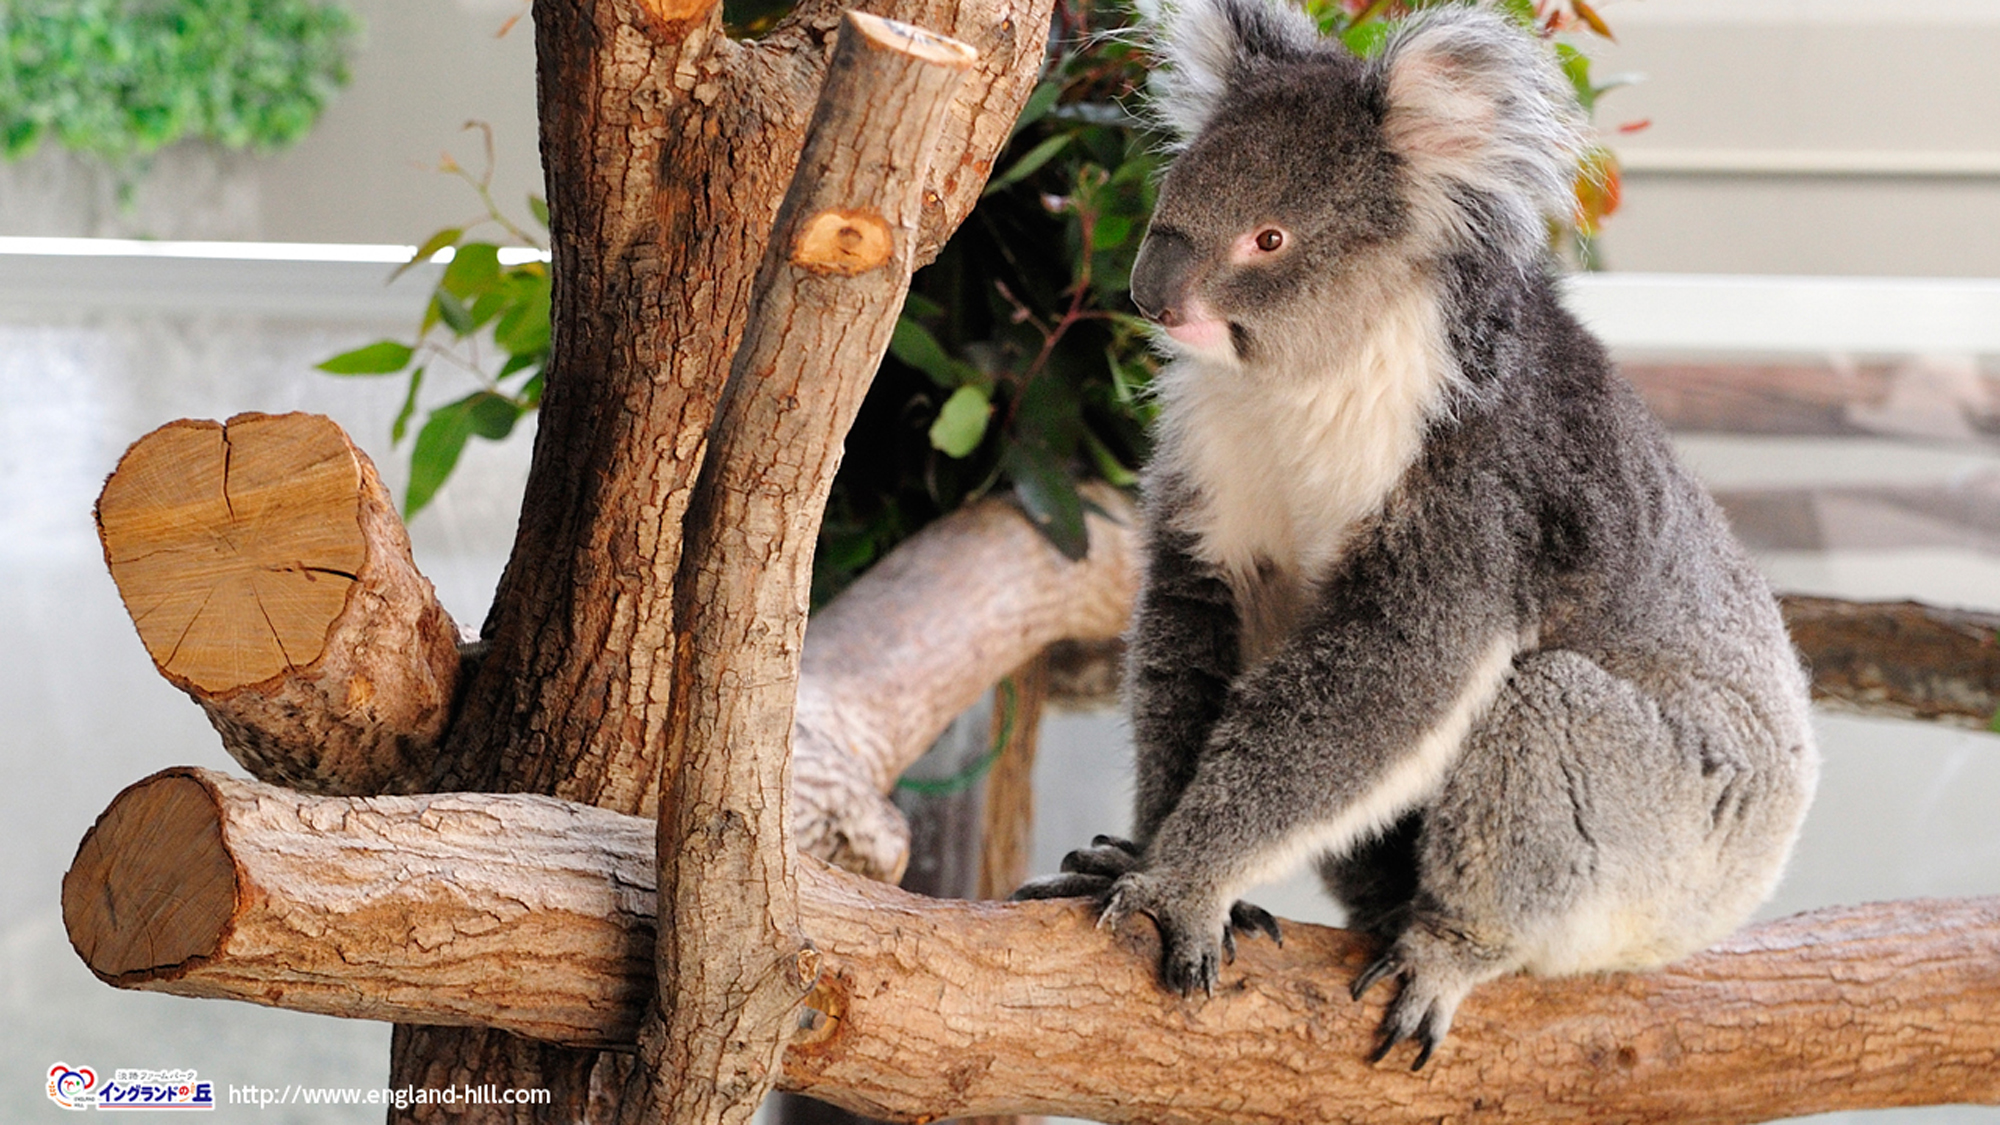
(1269, 239)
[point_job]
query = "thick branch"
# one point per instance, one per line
(409, 907)
(832, 283)
(271, 579)
(913, 643)
(1926, 398)
(1900, 659)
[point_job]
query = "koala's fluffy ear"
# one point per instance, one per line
(1488, 127)
(1203, 44)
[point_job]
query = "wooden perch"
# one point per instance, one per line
(536, 916)
(1929, 398)
(1900, 659)
(271, 579)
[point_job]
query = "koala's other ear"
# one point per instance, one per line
(1486, 124)
(1204, 44)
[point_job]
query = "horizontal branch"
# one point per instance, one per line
(1928, 398)
(536, 916)
(1900, 659)
(1892, 660)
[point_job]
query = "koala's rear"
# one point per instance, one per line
(1427, 597)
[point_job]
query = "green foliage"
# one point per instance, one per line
(1017, 362)
(479, 311)
(120, 79)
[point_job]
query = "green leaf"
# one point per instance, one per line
(539, 208)
(918, 305)
(961, 422)
(454, 313)
(443, 439)
(431, 245)
(1368, 39)
(1576, 67)
(1037, 106)
(913, 344)
(402, 424)
(1049, 497)
(1111, 232)
(524, 329)
(1108, 465)
(1026, 166)
(383, 357)
(516, 364)
(474, 269)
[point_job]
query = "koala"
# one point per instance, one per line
(1427, 599)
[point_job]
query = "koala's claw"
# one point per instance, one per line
(1380, 969)
(1190, 956)
(1436, 975)
(1106, 856)
(1247, 919)
(1066, 885)
(1414, 1017)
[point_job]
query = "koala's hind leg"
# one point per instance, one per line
(1551, 845)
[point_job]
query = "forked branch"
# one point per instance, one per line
(827, 296)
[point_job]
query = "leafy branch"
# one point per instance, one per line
(492, 300)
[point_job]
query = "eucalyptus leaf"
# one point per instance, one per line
(1031, 162)
(430, 246)
(402, 423)
(1049, 497)
(443, 439)
(474, 269)
(454, 313)
(383, 357)
(961, 422)
(913, 344)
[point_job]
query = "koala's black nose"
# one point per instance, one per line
(1161, 276)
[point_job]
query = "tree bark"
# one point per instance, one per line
(204, 885)
(270, 578)
(1900, 659)
(733, 967)
(668, 146)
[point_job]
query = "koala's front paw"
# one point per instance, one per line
(1086, 872)
(1191, 941)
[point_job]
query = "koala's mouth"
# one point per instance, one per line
(1205, 335)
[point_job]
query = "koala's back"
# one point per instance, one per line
(1553, 481)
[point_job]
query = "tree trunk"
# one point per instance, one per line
(400, 907)
(668, 147)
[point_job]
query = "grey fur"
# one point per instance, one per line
(1427, 596)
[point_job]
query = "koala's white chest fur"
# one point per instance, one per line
(1285, 463)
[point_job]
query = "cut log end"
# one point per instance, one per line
(234, 545)
(919, 43)
(271, 579)
(152, 890)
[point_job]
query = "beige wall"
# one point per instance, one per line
(1832, 82)
(1836, 86)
